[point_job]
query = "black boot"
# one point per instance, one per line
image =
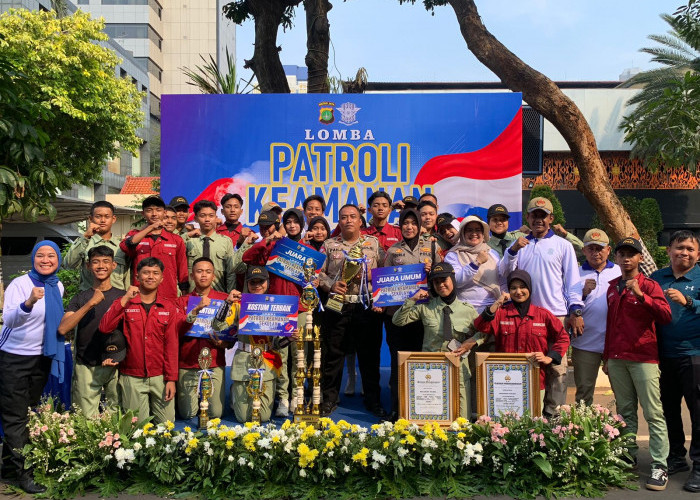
(693, 482)
(676, 464)
(26, 482)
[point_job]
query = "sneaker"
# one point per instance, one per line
(282, 408)
(676, 464)
(658, 479)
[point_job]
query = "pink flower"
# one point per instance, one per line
(116, 444)
(116, 436)
(134, 420)
(44, 428)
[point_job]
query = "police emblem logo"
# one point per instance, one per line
(540, 202)
(595, 236)
(348, 112)
(500, 209)
(326, 113)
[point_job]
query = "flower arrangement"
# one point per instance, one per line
(579, 453)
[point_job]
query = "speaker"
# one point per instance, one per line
(533, 134)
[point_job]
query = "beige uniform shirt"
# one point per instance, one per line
(77, 258)
(335, 258)
(221, 253)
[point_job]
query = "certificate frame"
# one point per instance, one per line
(487, 363)
(445, 363)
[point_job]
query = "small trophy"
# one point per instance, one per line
(256, 386)
(206, 386)
(351, 268)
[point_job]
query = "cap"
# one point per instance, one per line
(179, 201)
(596, 237)
(441, 270)
(474, 218)
(540, 203)
(114, 346)
(630, 242)
(497, 209)
(256, 273)
(410, 201)
(444, 220)
(268, 218)
(152, 201)
(294, 211)
(272, 206)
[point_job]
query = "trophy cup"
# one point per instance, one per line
(307, 334)
(255, 382)
(351, 268)
(205, 387)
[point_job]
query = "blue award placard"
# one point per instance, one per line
(268, 314)
(202, 326)
(391, 286)
(288, 257)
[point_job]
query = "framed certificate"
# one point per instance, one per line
(507, 382)
(429, 387)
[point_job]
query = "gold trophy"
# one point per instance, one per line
(350, 269)
(256, 386)
(308, 413)
(206, 386)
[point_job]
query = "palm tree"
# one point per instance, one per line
(664, 122)
(211, 80)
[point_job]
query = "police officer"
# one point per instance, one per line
(355, 324)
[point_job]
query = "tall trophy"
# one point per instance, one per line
(256, 386)
(205, 387)
(308, 334)
(352, 266)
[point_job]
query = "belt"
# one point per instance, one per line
(351, 299)
(242, 346)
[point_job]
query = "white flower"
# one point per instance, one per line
(160, 429)
(378, 457)
(264, 443)
(230, 458)
(331, 453)
(328, 472)
(137, 433)
(346, 441)
(478, 458)
(454, 426)
(137, 446)
(302, 473)
(460, 446)
(427, 459)
(120, 454)
(362, 436)
(210, 452)
(381, 432)
(428, 443)
(402, 452)
(207, 445)
(242, 461)
(150, 442)
(346, 468)
(478, 448)
(251, 465)
(168, 449)
(375, 465)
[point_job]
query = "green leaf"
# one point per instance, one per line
(543, 464)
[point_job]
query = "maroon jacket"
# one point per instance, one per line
(538, 331)
(170, 249)
(631, 325)
(190, 347)
(257, 255)
(152, 339)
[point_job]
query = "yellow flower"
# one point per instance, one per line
(440, 434)
(188, 450)
(230, 434)
(461, 435)
(286, 425)
(306, 455)
(192, 443)
(409, 439)
(188, 429)
(169, 425)
(462, 422)
(275, 439)
(428, 429)
(214, 422)
(361, 456)
(249, 425)
(385, 444)
(330, 445)
(249, 440)
(229, 445)
(167, 434)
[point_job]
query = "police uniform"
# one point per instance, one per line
(77, 258)
(355, 326)
(220, 253)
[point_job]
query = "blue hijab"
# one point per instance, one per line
(54, 343)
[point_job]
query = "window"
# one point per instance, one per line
(115, 30)
(124, 2)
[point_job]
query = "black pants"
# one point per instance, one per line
(401, 338)
(22, 379)
(355, 329)
(680, 378)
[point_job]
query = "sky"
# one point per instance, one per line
(567, 40)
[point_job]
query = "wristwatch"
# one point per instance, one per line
(689, 302)
(577, 312)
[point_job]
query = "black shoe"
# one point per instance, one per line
(392, 417)
(676, 464)
(693, 482)
(29, 486)
(657, 480)
(631, 462)
(327, 408)
(377, 410)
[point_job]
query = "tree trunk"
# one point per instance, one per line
(266, 63)
(317, 42)
(546, 98)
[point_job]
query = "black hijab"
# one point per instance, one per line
(315, 220)
(412, 242)
(523, 276)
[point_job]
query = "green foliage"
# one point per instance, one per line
(577, 454)
(67, 112)
(664, 122)
(547, 192)
(210, 80)
(241, 10)
(646, 217)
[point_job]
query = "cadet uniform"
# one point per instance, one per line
(355, 326)
(435, 339)
(243, 359)
(188, 366)
(77, 258)
(220, 252)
